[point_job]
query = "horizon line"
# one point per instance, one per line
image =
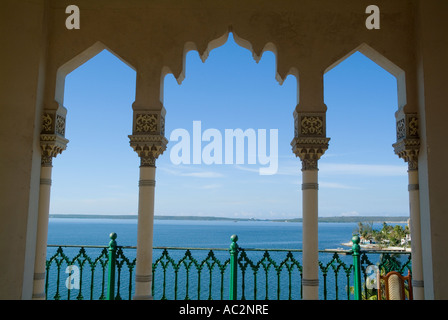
(372, 218)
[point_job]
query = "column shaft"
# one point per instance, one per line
(416, 240)
(407, 147)
(310, 280)
(309, 144)
(52, 143)
(42, 233)
(148, 141)
(143, 276)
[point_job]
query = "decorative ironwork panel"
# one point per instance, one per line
(81, 272)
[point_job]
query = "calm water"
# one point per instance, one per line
(209, 234)
(197, 234)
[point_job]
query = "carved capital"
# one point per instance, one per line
(52, 137)
(148, 147)
(309, 150)
(310, 141)
(148, 135)
(51, 145)
(408, 142)
(408, 149)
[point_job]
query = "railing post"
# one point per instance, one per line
(356, 249)
(233, 267)
(111, 267)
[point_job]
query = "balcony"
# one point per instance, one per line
(238, 273)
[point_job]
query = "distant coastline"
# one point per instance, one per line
(355, 219)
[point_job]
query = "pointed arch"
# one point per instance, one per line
(384, 63)
(76, 62)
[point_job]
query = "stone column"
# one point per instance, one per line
(407, 148)
(149, 142)
(309, 144)
(52, 143)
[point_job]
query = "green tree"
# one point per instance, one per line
(386, 236)
(365, 230)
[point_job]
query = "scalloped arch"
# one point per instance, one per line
(220, 41)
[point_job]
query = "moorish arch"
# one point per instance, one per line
(407, 147)
(309, 144)
(53, 142)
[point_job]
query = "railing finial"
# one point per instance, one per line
(233, 267)
(355, 241)
(356, 248)
(111, 275)
(234, 245)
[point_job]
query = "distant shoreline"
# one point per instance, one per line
(355, 219)
(374, 247)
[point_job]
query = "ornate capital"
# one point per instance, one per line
(309, 150)
(408, 149)
(148, 138)
(148, 147)
(52, 137)
(408, 142)
(310, 141)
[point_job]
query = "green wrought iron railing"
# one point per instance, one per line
(106, 272)
(99, 268)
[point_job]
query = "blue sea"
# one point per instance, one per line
(198, 234)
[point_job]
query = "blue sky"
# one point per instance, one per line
(358, 175)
